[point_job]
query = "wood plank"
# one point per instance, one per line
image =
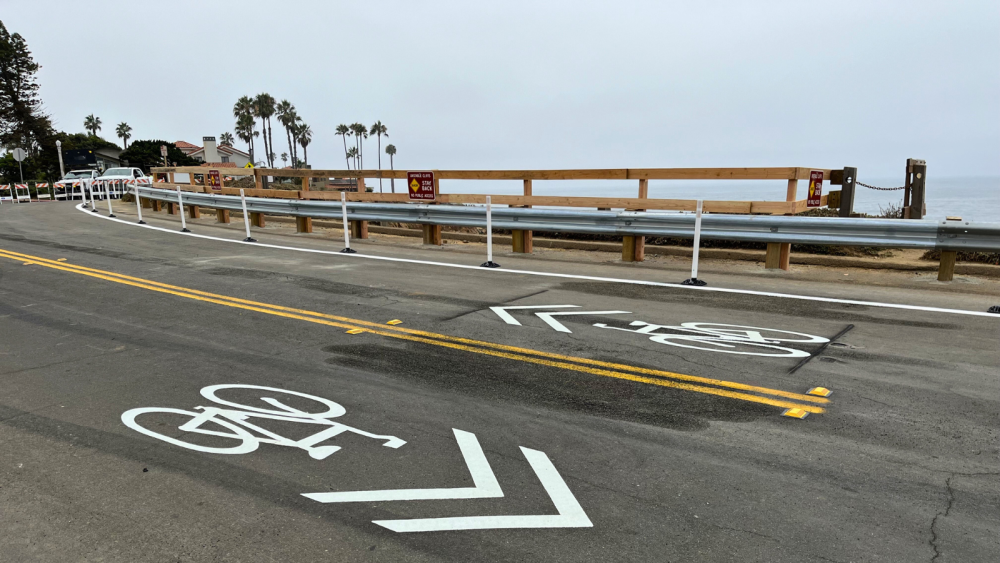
(200, 170)
(279, 194)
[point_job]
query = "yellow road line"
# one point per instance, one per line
(424, 337)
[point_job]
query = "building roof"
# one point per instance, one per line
(189, 149)
(219, 164)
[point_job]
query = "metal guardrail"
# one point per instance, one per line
(895, 233)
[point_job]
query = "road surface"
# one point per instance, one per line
(175, 398)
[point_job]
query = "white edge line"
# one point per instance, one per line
(497, 271)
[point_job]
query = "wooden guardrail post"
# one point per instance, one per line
(257, 179)
(521, 240)
(779, 255)
(359, 229)
(257, 220)
(634, 247)
(304, 224)
(222, 215)
(946, 270)
(432, 233)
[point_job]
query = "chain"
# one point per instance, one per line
(880, 189)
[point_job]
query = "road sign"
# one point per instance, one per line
(215, 181)
(249, 165)
(420, 186)
(19, 154)
(815, 188)
(163, 151)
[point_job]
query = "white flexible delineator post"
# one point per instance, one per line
(693, 280)
(93, 197)
(138, 204)
(347, 230)
(246, 217)
(108, 194)
(489, 235)
(180, 203)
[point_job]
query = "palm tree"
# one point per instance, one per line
(92, 124)
(263, 106)
(360, 134)
(124, 132)
(287, 117)
(344, 131)
(390, 150)
(305, 136)
(226, 139)
(378, 130)
(352, 154)
(284, 158)
(243, 111)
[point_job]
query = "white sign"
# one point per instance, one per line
(236, 420)
(163, 151)
(19, 154)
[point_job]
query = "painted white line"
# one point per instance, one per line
(547, 317)
(502, 271)
(482, 475)
(507, 318)
(571, 514)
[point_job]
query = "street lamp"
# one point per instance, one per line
(62, 171)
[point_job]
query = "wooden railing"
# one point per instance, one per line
(778, 256)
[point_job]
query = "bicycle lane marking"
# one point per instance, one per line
(479, 347)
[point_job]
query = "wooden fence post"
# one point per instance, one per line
(847, 191)
(785, 250)
(634, 247)
(432, 233)
(222, 215)
(946, 270)
(303, 224)
(359, 229)
(522, 240)
(256, 179)
(257, 219)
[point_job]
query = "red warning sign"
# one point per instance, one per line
(215, 181)
(420, 186)
(815, 189)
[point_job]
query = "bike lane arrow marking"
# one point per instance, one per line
(571, 514)
(482, 475)
(547, 317)
(507, 318)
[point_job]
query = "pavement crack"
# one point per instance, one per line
(933, 542)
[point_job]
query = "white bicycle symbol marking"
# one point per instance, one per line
(727, 339)
(237, 422)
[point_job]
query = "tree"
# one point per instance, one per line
(146, 154)
(378, 130)
(22, 122)
(305, 137)
(344, 131)
(390, 150)
(287, 117)
(92, 124)
(284, 158)
(245, 126)
(124, 133)
(263, 106)
(226, 139)
(360, 134)
(352, 154)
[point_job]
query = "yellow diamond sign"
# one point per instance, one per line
(414, 185)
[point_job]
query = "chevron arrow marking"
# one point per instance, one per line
(547, 317)
(507, 318)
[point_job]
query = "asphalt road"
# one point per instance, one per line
(653, 448)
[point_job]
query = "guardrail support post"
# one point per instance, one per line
(257, 219)
(194, 212)
(173, 208)
(156, 204)
(303, 224)
(773, 258)
(785, 253)
(634, 247)
(359, 229)
(946, 270)
(432, 234)
(522, 240)
(222, 215)
(847, 191)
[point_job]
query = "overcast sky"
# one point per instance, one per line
(538, 84)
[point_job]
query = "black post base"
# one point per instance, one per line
(994, 309)
(111, 215)
(490, 264)
(141, 222)
(249, 239)
(349, 251)
(185, 230)
(694, 281)
(94, 210)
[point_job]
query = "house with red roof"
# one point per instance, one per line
(214, 154)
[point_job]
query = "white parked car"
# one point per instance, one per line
(126, 174)
(82, 179)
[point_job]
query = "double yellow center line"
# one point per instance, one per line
(730, 389)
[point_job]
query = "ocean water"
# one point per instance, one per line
(972, 198)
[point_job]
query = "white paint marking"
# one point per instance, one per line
(499, 271)
(482, 475)
(507, 318)
(547, 317)
(570, 513)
